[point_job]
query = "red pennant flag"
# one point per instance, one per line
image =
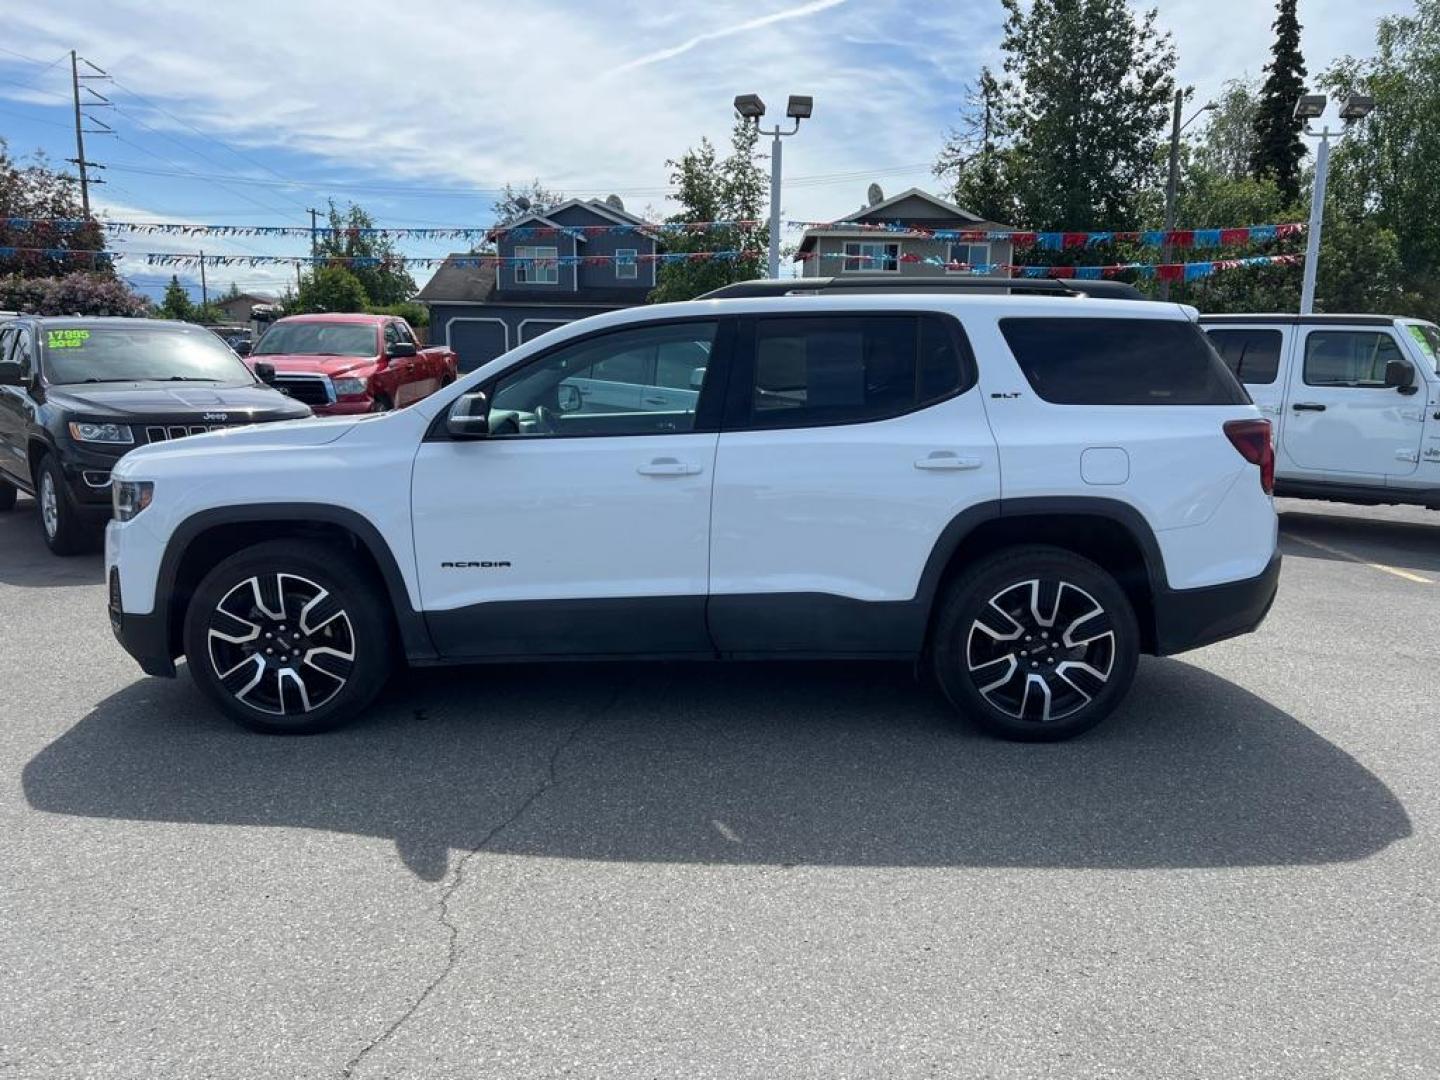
(1234, 237)
(1071, 240)
(1062, 272)
(1181, 238)
(1022, 239)
(1170, 271)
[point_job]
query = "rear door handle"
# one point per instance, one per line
(668, 467)
(653, 400)
(1308, 406)
(939, 460)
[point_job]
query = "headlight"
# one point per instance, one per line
(349, 387)
(129, 497)
(101, 433)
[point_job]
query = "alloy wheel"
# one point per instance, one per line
(281, 644)
(1040, 650)
(49, 505)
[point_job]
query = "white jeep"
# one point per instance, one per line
(1024, 492)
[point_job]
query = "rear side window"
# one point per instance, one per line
(1349, 358)
(1072, 361)
(1253, 356)
(851, 369)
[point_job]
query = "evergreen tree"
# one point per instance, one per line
(176, 303)
(1278, 150)
(974, 157)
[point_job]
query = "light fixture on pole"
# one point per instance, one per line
(1312, 107)
(751, 108)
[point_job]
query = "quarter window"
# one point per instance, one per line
(849, 370)
(1072, 361)
(861, 256)
(1349, 358)
(1253, 356)
(645, 381)
(538, 265)
(626, 267)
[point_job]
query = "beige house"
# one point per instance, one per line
(844, 247)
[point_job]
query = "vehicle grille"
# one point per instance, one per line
(310, 389)
(155, 433)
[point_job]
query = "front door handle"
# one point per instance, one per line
(1308, 406)
(668, 466)
(947, 460)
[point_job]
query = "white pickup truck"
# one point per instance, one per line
(1354, 400)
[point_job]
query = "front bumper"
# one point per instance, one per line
(145, 637)
(346, 407)
(1189, 618)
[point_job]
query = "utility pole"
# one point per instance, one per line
(80, 161)
(204, 290)
(1172, 185)
(314, 240)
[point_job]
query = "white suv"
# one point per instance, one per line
(1024, 492)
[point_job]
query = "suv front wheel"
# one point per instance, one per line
(289, 637)
(1036, 644)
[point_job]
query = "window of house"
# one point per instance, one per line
(1351, 358)
(1253, 356)
(626, 267)
(1074, 361)
(970, 255)
(546, 271)
(865, 255)
(848, 370)
(644, 381)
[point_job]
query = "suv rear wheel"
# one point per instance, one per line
(289, 637)
(1036, 644)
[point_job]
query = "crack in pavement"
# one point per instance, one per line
(549, 781)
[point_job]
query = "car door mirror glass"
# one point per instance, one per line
(469, 417)
(568, 398)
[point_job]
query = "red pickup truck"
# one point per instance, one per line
(341, 364)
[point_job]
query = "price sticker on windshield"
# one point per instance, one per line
(67, 339)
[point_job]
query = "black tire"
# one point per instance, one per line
(65, 532)
(996, 660)
(326, 667)
(7, 496)
(381, 404)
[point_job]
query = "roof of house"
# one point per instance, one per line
(469, 282)
(945, 211)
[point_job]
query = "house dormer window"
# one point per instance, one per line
(626, 264)
(537, 265)
(865, 256)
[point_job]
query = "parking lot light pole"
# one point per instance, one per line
(1172, 186)
(1312, 107)
(751, 108)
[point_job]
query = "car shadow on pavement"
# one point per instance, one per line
(783, 763)
(29, 563)
(1409, 545)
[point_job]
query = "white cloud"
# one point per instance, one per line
(740, 28)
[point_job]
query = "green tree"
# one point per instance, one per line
(176, 303)
(520, 199)
(1228, 140)
(372, 259)
(1384, 172)
(33, 190)
(712, 189)
(1081, 111)
(1278, 150)
(330, 288)
(974, 157)
(232, 293)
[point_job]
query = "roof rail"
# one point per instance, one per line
(883, 283)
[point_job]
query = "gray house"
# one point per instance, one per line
(480, 311)
(843, 247)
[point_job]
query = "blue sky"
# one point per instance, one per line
(251, 114)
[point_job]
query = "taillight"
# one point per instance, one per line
(1252, 439)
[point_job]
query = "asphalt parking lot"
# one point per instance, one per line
(736, 871)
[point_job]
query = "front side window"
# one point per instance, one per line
(392, 334)
(971, 255)
(1253, 356)
(1427, 336)
(137, 353)
(317, 339)
(863, 255)
(645, 381)
(849, 370)
(626, 267)
(1349, 358)
(1076, 361)
(537, 265)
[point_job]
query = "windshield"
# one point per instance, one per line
(139, 353)
(318, 339)
(1427, 336)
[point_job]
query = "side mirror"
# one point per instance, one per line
(568, 397)
(243, 348)
(400, 350)
(10, 374)
(265, 372)
(1400, 374)
(697, 378)
(469, 417)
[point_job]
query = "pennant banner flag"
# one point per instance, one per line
(1070, 241)
(519, 232)
(1193, 271)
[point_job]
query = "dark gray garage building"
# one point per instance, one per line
(481, 311)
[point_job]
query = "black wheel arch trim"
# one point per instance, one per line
(414, 635)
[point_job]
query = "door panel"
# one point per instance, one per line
(1340, 418)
